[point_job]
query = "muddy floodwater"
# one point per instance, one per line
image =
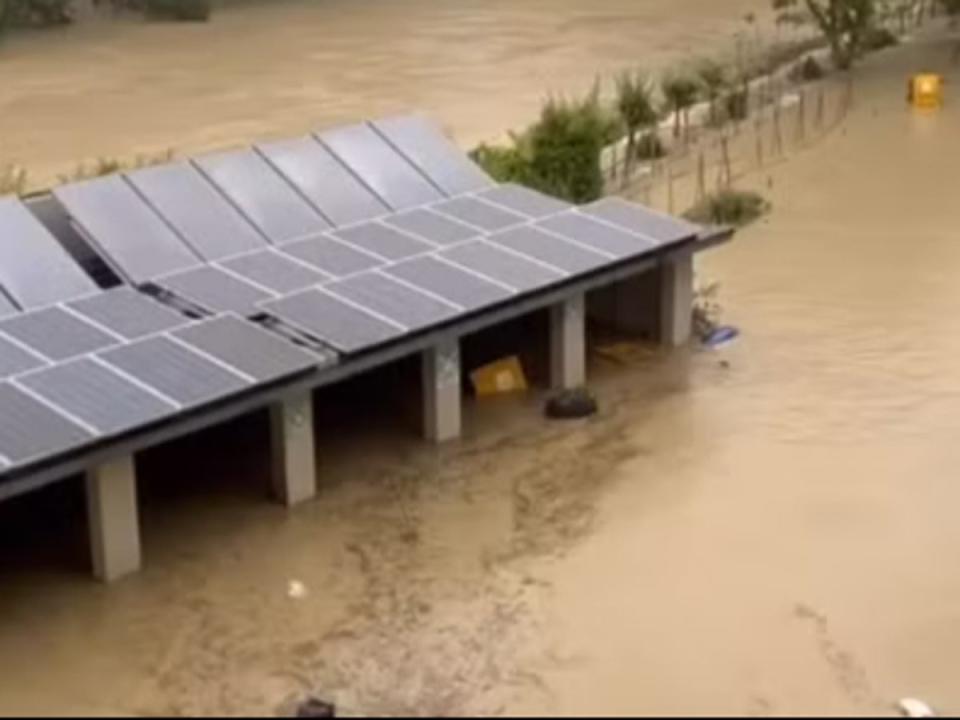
(765, 529)
(282, 67)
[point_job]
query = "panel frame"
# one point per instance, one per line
(213, 165)
(35, 268)
(365, 205)
(384, 175)
(165, 406)
(122, 255)
(221, 211)
(257, 293)
(417, 151)
(231, 323)
(343, 345)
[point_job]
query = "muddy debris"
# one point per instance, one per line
(316, 708)
(571, 405)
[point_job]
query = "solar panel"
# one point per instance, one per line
(181, 374)
(216, 290)
(333, 257)
(202, 216)
(15, 359)
(125, 229)
(423, 143)
(323, 180)
(98, 395)
(436, 228)
(466, 289)
(550, 249)
(128, 313)
(480, 214)
(56, 334)
(250, 349)
(524, 200)
(262, 195)
(384, 241)
(273, 270)
(388, 297)
(380, 167)
(342, 325)
(642, 220)
(29, 429)
(502, 266)
(606, 238)
(34, 268)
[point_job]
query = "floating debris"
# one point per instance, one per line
(296, 590)
(720, 336)
(571, 404)
(316, 708)
(913, 708)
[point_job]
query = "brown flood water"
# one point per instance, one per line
(776, 536)
(283, 67)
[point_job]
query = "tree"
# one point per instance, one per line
(713, 80)
(951, 7)
(680, 91)
(845, 24)
(636, 107)
(565, 148)
(560, 153)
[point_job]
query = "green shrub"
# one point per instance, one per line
(13, 180)
(565, 148)
(35, 13)
(560, 153)
(809, 70)
(503, 164)
(636, 106)
(729, 207)
(878, 38)
(108, 166)
(650, 147)
(183, 10)
(680, 91)
(737, 104)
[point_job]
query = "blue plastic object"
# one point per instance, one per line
(723, 335)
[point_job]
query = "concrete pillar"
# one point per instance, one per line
(292, 448)
(568, 344)
(442, 395)
(676, 299)
(113, 519)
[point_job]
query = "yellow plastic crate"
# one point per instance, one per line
(926, 91)
(502, 376)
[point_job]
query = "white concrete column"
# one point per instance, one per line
(292, 448)
(676, 299)
(442, 395)
(114, 519)
(568, 343)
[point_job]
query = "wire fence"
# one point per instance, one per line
(782, 119)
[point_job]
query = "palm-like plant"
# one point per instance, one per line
(713, 81)
(680, 91)
(636, 107)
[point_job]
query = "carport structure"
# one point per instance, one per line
(144, 306)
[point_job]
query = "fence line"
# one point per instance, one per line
(717, 158)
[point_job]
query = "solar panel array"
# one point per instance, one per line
(84, 371)
(352, 238)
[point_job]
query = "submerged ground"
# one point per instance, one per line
(769, 535)
(279, 68)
